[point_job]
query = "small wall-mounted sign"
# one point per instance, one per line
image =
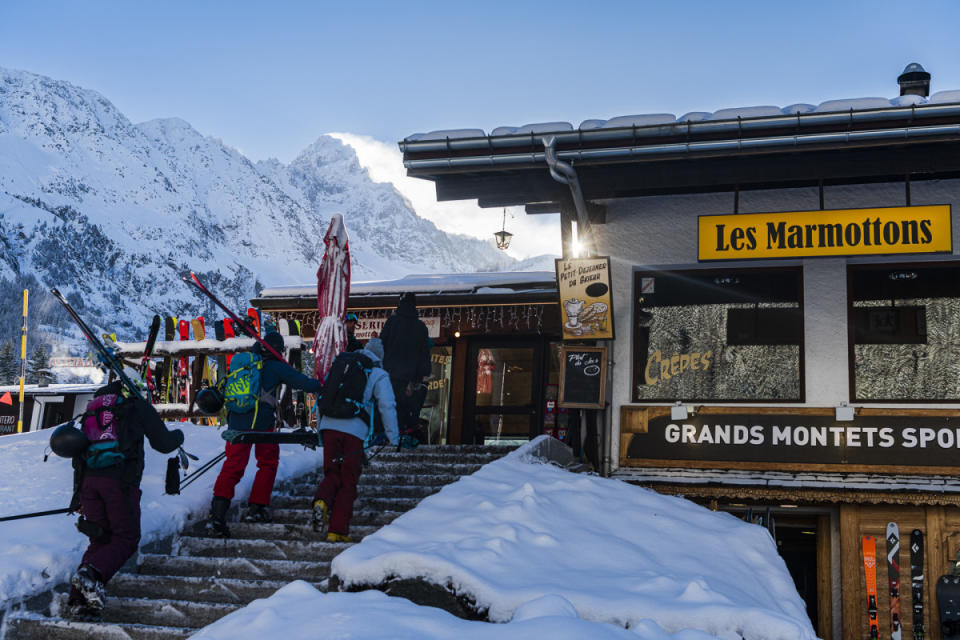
(586, 303)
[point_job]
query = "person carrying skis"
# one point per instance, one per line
(273, 373)
(343, 440)
(107, 489)
(351, 323)
(406, 347)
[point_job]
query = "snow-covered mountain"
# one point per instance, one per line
(114, 213)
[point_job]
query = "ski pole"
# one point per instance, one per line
(36, 514)
(190, 477)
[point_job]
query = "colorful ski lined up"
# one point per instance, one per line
(948, 587)
(893, 578)
(916, 582)
(869, 546)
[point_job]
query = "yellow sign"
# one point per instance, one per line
(586, 309)
(836, 232)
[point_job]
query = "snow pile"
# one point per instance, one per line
(300, 612)
(518, 530)
(40, 552)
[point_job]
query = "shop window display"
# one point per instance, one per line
(436, 407)
(718, 335)
(905, 331)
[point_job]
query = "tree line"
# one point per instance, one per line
(38, 364)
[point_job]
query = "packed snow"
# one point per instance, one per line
(41, 552)
(546, 551)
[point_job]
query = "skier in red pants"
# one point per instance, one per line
(273, 373)
(343, 446)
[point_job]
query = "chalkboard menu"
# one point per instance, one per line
(583, 377)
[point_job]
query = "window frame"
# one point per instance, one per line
(636, 368)
(851, 345)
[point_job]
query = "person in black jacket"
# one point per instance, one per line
(406, 348)
(351, 323)
(108, 495)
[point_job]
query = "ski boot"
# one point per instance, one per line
(338, 537)
(257, 513)
(217, 524)
(87, 593)
(319, 519)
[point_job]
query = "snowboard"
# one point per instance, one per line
(916, 582)
(948, 603)
(893, 578)
(869, 546)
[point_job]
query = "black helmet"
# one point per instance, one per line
(275, 340)
(67, 441)
(210, 401)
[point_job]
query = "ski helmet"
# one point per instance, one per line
(210, 401)
(67, 441)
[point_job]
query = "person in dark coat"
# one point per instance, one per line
(108, 497)
(351, 323)
(406, 348)
(273, 373)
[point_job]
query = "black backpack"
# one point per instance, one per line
(342, 392)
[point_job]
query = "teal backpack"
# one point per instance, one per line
(241, 389)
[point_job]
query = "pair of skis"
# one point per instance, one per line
(869, 546)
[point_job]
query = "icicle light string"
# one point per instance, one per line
(513, 317)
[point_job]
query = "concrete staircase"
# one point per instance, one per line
(196, 580)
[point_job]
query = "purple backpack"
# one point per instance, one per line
(101, 426)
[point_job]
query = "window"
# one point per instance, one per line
(905, 331)
(718, 335)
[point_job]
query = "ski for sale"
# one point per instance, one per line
(147, 352)
(183, 393)
(169, 385)
(244, 326)
(948, 603)
(107, 358)
(228, 332)
(916, 582)
(893, 578)
(869, 545)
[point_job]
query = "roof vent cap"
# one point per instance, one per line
(914, 80)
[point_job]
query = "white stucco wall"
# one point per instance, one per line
(661, 232)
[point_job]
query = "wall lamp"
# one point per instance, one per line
(844, 412)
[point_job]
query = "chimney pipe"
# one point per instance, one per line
(914, 81)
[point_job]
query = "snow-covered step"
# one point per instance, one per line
(31, 626)
(242, 568)
(378, 490)
(360, 518)
(399, 467)
(279, 531)
(368, 503)
(178, 613)
(425, 455)
(199, 588)
(373, 479)
(258, 548)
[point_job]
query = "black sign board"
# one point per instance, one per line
(802, 439)
(583, 377)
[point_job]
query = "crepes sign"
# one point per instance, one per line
(586, 307)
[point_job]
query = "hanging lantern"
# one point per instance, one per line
(503, 236)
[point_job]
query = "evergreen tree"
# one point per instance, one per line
(9, 363)
(38, 366)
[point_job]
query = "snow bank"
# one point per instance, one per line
(300, 612)
(39, 553)
(519, 530)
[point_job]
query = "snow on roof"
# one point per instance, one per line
(641, 120)
(505, 281)
(519, 530)
(50, 389)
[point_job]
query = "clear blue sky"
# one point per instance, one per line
(269, 77)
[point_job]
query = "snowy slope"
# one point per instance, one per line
(116, 212)
(42, 552)
(543, 549)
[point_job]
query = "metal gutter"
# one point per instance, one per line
(736, 146)
(564, 173)
(799, 121)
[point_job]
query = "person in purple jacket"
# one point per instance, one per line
(107, 489)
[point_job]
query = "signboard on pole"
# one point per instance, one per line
(586, 300)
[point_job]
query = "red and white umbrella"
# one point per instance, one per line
(333, 289)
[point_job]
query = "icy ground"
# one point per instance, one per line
(550, 554)
(38, 553)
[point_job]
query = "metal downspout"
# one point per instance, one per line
(564, 173)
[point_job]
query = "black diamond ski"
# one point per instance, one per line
(106, 358)
(893, 578)
(916, 582)
(169, 331)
